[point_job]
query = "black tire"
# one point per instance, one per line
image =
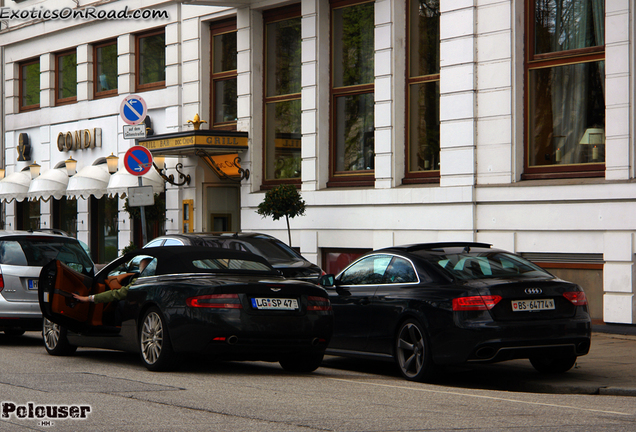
(154, 342)
(302, 363)
(553, 364)
(14, 332)
(412, 352)
(55, 341)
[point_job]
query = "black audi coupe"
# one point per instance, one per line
(229, 304)
(434, 304)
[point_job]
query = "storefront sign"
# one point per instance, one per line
(79, 139)
(282, 143)
(196, 140)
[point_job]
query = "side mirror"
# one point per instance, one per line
(327, 281)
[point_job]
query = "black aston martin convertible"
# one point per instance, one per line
(232, 305)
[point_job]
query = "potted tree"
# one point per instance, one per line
(283, 200)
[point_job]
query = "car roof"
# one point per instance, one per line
(217, 235)
(178, 259)
(6, 233)
(446, 247)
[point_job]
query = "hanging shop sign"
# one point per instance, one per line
(24, 148)
(79, 139)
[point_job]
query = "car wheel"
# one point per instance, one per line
(55, 341)
(304, 363)
(552, 364)
(412, 353)
(14, 332)
(156, 349)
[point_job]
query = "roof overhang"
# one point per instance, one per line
(218, 149)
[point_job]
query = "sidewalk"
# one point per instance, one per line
(608, 369)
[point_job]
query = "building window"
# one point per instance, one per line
(27, 215)
(282, 93)
(65, 215)
(223, 77)
(29, 85)
(105, 58)
(565, 100)
(66, 77)
(335, 260)
(352, 92)
(104, 229)
(151, 60)
(422, 95)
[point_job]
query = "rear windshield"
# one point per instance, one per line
(39, 251)
(273, 250)
(230, 264)
(467, 266)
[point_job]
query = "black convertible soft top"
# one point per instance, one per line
(197, 259)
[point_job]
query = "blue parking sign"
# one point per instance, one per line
(133, 109)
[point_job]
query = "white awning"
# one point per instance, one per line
(90, 180)
(51, 183)
(15, 186)
(122, 180)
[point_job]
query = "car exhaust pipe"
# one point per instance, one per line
(485, 353)
(315, 341)
(583, 347)
(232, 340)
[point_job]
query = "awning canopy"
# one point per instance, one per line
(90, 180)
(51, 183)
(15, 186)
(122, 180)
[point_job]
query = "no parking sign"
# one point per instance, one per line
(138, 160)
(133, 109)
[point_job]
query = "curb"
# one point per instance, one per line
(617, 391)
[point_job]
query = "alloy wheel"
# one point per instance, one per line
(411, 350)
(51, 334)
(152, 337)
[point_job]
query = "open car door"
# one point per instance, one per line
(57, 284)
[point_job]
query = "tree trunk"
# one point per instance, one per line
(288, 230)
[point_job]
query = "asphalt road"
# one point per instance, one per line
(343, 395)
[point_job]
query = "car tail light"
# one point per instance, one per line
(475, 303)
(1, 282)
(217, 301)
(577, 298)
(315, 303)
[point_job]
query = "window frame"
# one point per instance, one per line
(551, 60)
(153, 85)
(71, 99)
(219, 28)
(104, 93)
(269, 17)
(345, 178)
(415, 177)
(21, 65)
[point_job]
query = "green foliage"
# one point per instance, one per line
(129, 248)
(283, 200)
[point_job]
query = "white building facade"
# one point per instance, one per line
(400, 121)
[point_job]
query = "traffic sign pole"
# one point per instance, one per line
(142, 210)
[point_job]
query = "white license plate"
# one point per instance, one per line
(33, 284)
(532, 305)
(275, 303)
